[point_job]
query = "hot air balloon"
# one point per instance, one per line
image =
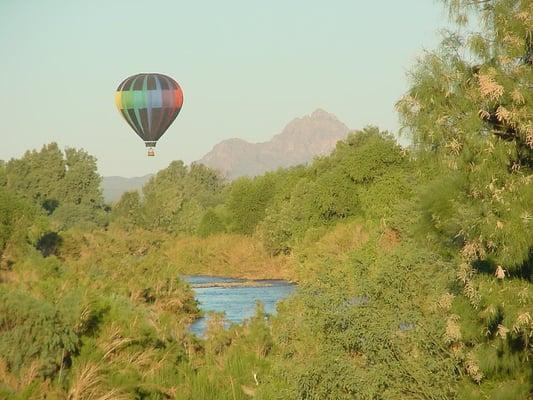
(149, 103)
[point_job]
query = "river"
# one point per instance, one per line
(235, 297)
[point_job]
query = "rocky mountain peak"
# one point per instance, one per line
(300, 141)
(319, 113)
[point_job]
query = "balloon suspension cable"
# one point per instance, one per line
(151, 152)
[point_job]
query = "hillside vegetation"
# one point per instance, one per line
(414, 264)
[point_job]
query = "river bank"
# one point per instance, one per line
(231, 284)
(211, 281)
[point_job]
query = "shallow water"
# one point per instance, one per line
(238, 303)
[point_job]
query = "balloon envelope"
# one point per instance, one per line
(149, 103)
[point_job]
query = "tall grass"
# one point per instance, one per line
(226, 255)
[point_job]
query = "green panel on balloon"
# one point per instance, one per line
(127, 99)
(139, 99)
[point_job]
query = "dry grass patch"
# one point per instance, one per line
(226, 255)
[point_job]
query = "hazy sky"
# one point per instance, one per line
(246, 68)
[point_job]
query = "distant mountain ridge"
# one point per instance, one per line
(301, 140)
(114, 186)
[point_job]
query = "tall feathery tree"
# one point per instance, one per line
(471, 106)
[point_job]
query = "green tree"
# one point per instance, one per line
(288, 219)
(331, 188)
(470, 108)
(211, 223)
(3, 177)
(37, 176)
(21, 224)
(11, 211)
(474, 113)
(176, 198)
(247, 201)
(82, 202)
(82, 181)
(127, 212)
(66, 186)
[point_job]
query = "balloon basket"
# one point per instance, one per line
(151, 152)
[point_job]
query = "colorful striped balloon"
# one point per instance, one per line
(149, 103)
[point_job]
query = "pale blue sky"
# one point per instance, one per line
(246, 68)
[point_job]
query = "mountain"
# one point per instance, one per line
(299, 142)
(114, 186)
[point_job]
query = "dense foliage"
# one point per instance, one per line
(470, 107)
(414, 265)
(173, 201)
(65, 185)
